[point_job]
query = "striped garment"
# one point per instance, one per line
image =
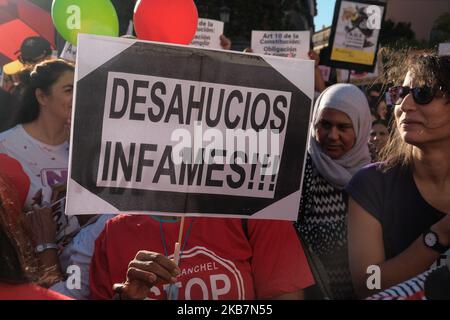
(412, 289)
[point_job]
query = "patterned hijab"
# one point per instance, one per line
(349, 99)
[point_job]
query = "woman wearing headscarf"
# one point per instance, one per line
(337, 150)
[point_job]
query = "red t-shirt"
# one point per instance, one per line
(218, 262)
(28, 292)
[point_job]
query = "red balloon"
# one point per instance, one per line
(173, 21)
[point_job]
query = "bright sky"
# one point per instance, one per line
(325, 10)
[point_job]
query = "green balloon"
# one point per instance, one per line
(71, 17)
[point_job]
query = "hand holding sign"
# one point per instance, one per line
(172, 21)
(71, 17)
(144, 271)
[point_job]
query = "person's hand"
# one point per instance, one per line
(146, 270)
(225, 43)
(319, 83)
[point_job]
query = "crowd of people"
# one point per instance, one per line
(375, 193)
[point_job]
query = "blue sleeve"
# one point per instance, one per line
(366, 188)
(79, 253)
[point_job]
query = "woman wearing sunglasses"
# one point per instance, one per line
(399, 222)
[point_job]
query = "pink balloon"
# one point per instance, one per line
(173, 21)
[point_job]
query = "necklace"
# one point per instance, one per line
(172, 293)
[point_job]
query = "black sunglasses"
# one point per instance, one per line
(421, 95)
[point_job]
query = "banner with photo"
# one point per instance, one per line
(355, 34)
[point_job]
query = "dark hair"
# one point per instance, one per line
(382, 122)
(433, 71)
(428, 69)
(43, 76)
(376, 87)
(33, 49)
(374, 113)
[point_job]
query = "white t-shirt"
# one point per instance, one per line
(45, 165)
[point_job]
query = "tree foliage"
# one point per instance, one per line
(441, 29)
(398, 35)
(249, 15)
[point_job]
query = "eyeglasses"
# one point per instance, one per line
(421, 95)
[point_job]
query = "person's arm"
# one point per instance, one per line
(43, 232)
(366, 248)
(146, 270)
(319, 83)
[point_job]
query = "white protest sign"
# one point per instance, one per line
(444, 49)
(69, 52)
(208, 34)
(156, 128)
(292, 44)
